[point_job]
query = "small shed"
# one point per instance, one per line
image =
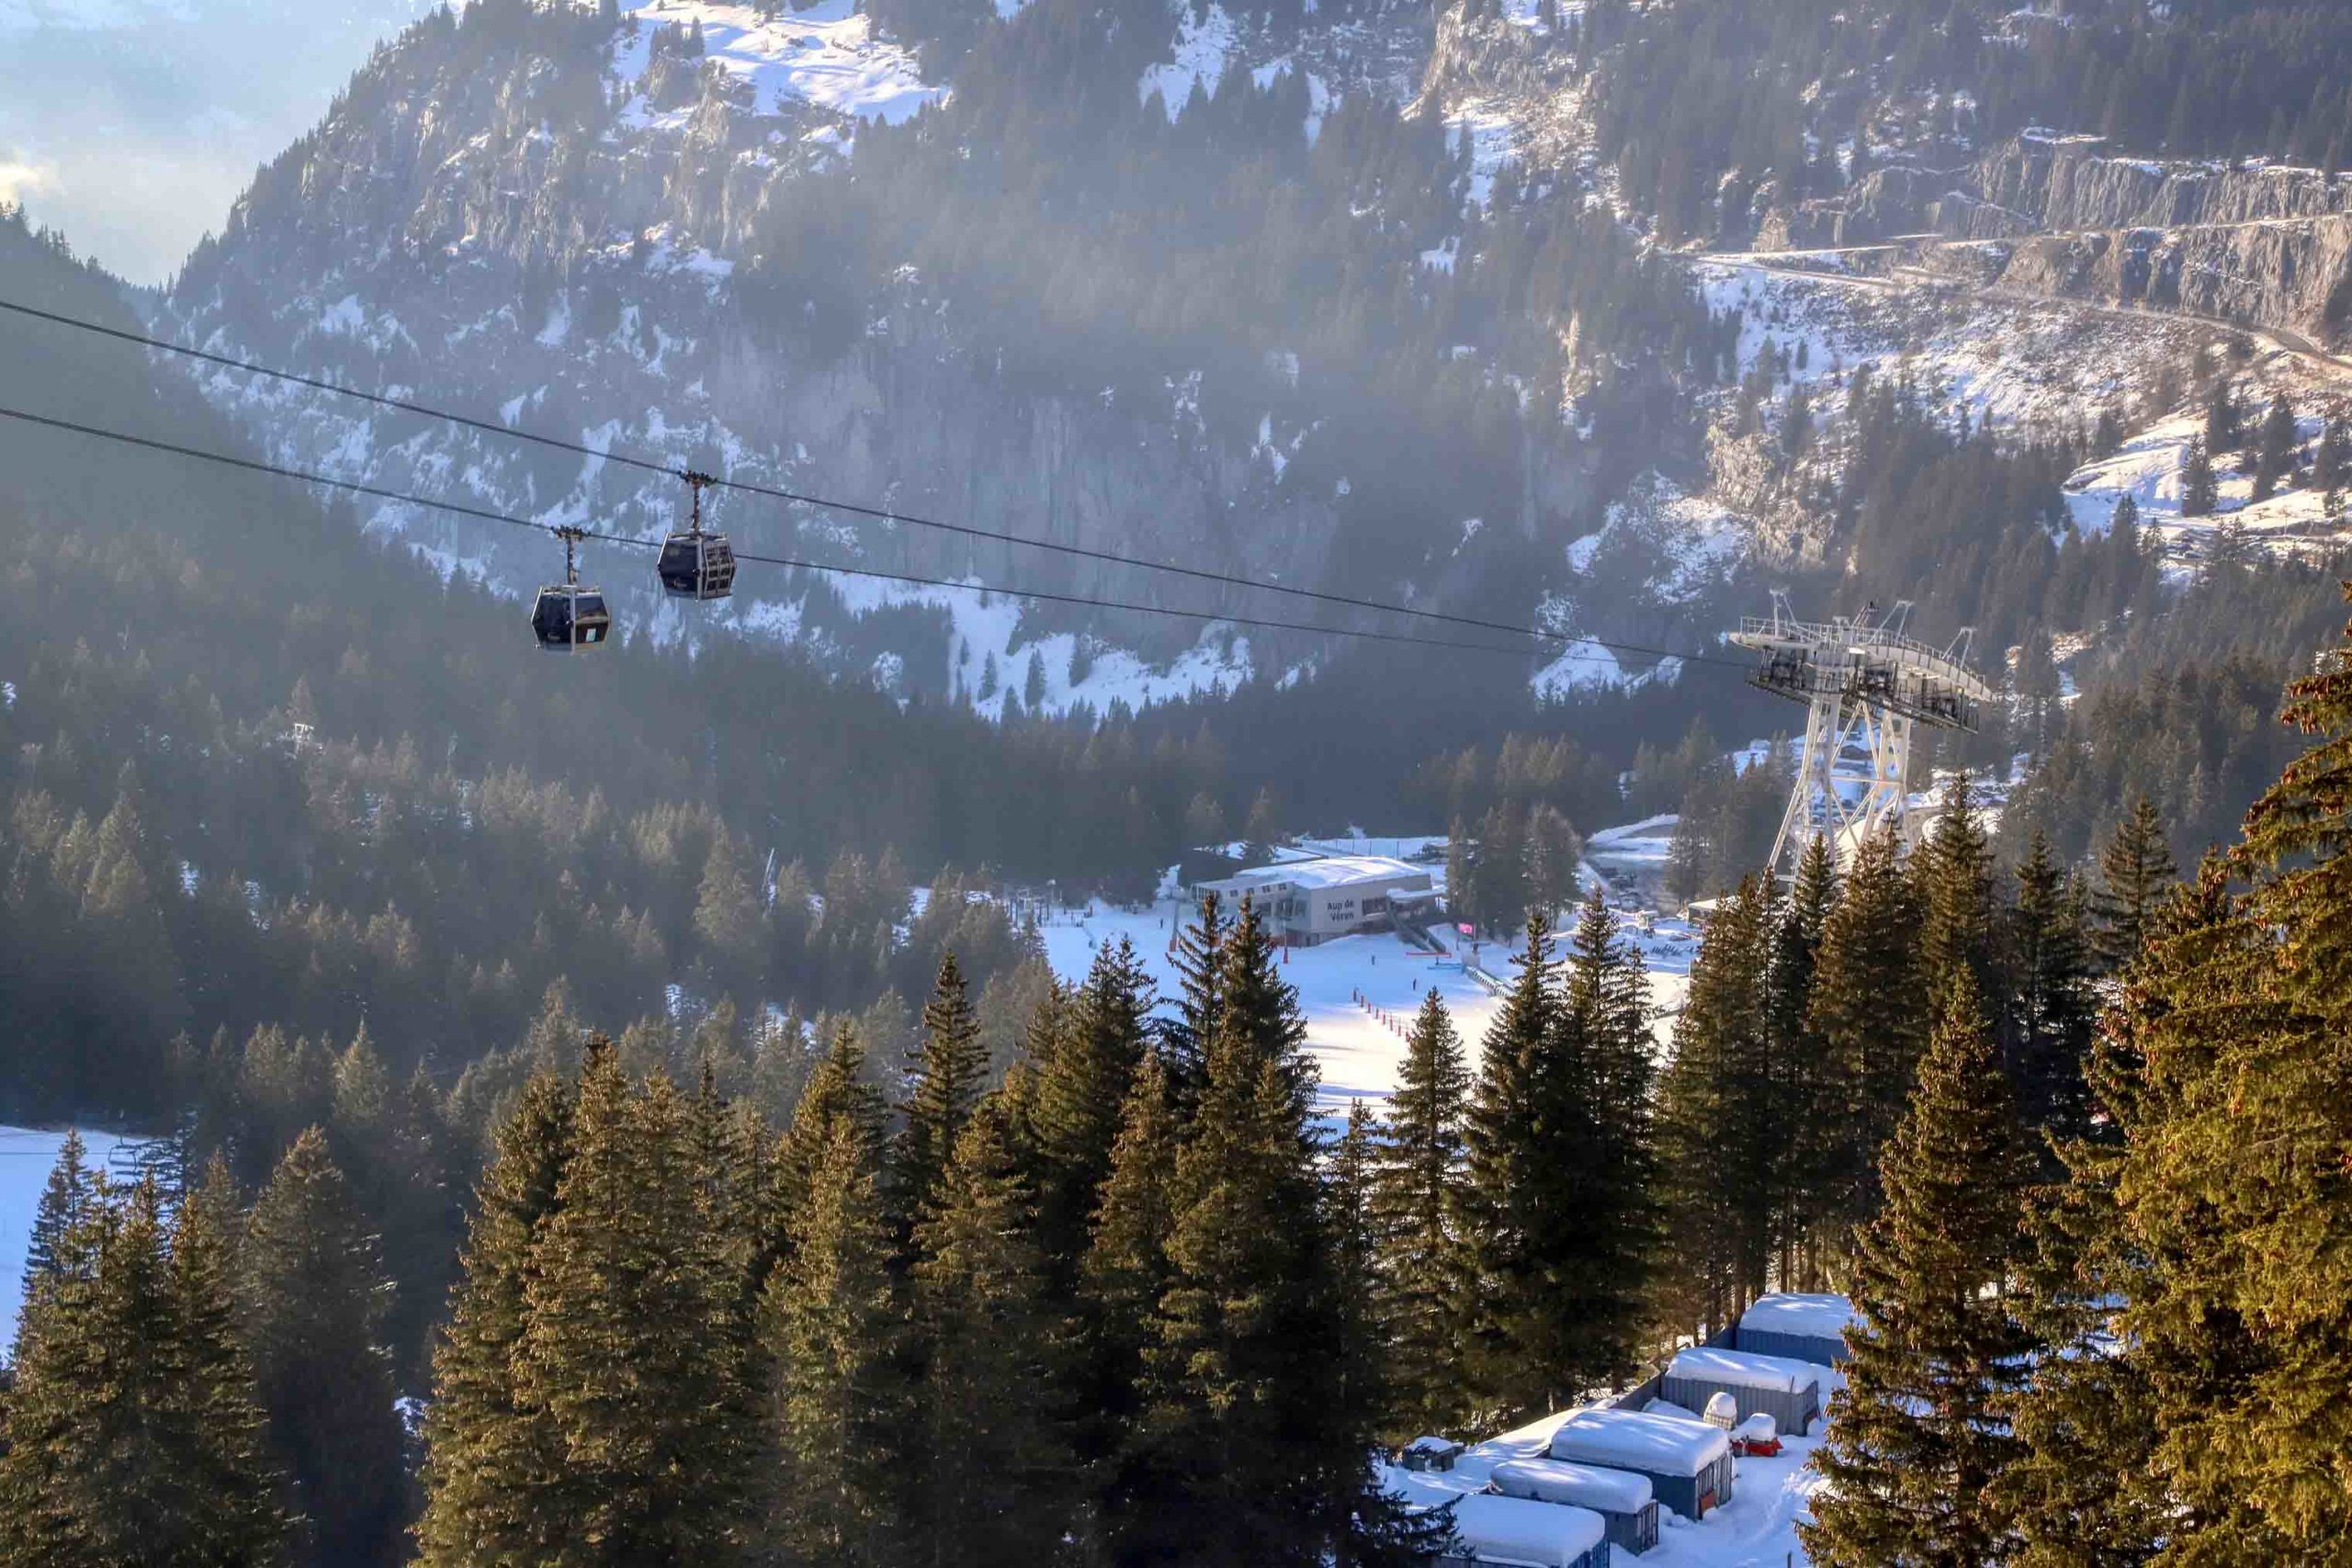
(1495, 1532)
(1801, 1328)
(1628, 1511)
(1687, 1464)
(1788, 1392)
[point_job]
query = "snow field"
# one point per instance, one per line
(827, 56)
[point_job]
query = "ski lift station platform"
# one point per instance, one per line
(1311, 902)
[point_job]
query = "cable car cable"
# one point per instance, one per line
(483, 514)
(855, 509)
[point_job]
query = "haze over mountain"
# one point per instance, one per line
(132, 125)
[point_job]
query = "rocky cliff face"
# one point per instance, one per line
(2066, 184)
(2292, 275)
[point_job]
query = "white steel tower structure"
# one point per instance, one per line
(1864, 685)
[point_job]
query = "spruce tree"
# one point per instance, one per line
(1958, 925)
(1869, 1007)
(2136, 873)
(829, 1323)
(948, 1074)
(1361, 1358)
(626, 1348)
(1073, 1104)
(51, 1254)
(107, 1458)
(2050, 1001)
(1124, 1274)
(1809, 1090)
(839, 1095)
(244, 1523)
(314, 1296)
(990, 1482)
(489, 1452)
(1917, 1436)
(2085, 1488)
(1599, 1101)
(1240, 1372)
(1197, 957)
(1424, 1289)
(1506, 1190)
(2200, 493)
(1717, 1195)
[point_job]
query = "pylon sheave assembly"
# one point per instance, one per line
(1865, 687)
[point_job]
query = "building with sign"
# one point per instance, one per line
(1310, 901)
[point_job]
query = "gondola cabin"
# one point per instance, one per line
(569, 616)
(696, 566)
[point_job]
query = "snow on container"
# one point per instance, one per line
(1523, 1534)
(1429, 1452)
(1802, 1327)
(1621, 1498)
(1788, 1392)
(1687, 1464)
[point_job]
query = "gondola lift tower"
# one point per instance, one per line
(1865, 686)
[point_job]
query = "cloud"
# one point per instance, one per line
(16, 178)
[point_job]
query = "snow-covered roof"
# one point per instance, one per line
(1633, 1440)
(1557, 1480)
(1814, 1317)
(1330, 871)
(1513, 1529)
(1741, 1369)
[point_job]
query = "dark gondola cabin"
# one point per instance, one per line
(568, 617)
(696, 566)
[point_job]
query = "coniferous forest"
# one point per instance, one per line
(641, 1107)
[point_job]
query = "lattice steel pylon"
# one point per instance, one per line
(1864, 685)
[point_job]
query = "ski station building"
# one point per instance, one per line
(1310, 901)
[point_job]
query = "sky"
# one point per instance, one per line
(131, 124)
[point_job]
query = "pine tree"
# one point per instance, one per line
(1717, 1195)
(626, 1348)
(1361, 1351)
(1917, 1436)
(1240, 1371)
(1869, 1003)
(1423, 1291)
(1599, 1101)
(489, 1453)
(1073, 1103)
(2246, 1183)
(839, 1095)
(829, 1325)
(108, 1458)
(2051, 1001)
(994, 1461)
(948, 1076)
(1197, 957)
(2087, 1489)
(1124, 1274)
(2275, 444)
(244, 1523)
(2137, 871)
(1954, 871)
(1505, 1192)
(313, 1300)
(66, 1202)
(2332, 464)
(1809, 1090)
(2200, 493)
